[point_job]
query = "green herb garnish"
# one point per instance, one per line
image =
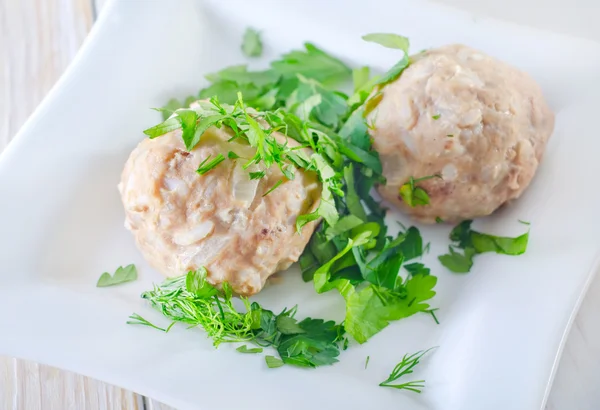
(273, 362)
(351, 250)
(473, 242)
(405, 367)
(436, 117)
(192, 300)
(245, 349)
(414, 195)
(432, 313)
(253, 130)
(387, 296)
(389, 40)
(273, 188)
(367, 361)
(251, 43)
(207, 165)
(121, 275)
(313, 63)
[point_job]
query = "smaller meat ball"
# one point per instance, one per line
(220, 220)
(479, 123)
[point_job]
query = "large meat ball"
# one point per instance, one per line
(220, 220)
(479, 123)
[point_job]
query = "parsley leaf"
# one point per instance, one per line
(288, 325)
(121, 275)
(327, 107)
(201, 127)
(168, 125)
(240, 75)
(360, 77)
(188, 119)
(395, 71)
(355, 130)
(458, 262)
(245, 349)
(273, 362)
(196, 284)
(417, 268)
(352, 199)
(370, 310)
(502, 245)
(227, 91)
(473, 242)
(413, 195)
(315, 346)
(327, 208)
(384, 272)
(251, 43)
(313, 63)
(412, 245)
(461, 233)
(389, 40)
(368, 158)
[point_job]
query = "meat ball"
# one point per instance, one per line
(220, 220)
(478, 123)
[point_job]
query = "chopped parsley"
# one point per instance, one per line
(313, 63)
(232, 155)
(274, 187)
(207, 165)
(386, 296)
(121, 275)
(360, 78)
(414, 195)
(257, 130)
(436, 117)
(389, 40)
(273, 362)
(246, 349)
(472, 243)
(394, 41)
(251, 43)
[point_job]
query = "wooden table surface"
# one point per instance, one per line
(38, 39)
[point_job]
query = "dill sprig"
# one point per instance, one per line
(213, 311)
(192, 300)
(405, 367)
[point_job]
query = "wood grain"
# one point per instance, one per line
(38, 39)
(28, 385)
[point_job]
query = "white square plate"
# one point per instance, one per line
(61, 221)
